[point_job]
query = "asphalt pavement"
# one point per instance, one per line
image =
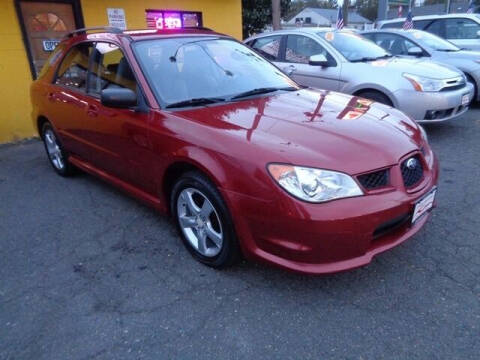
(88, 273)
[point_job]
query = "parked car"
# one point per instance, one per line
(347, 62)
(422, 44)
(199, 126)
(461, 29)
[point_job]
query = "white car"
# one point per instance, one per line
(461, 29)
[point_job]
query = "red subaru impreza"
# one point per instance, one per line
(248, 162)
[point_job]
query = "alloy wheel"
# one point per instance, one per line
(199, 222)
(53, 149)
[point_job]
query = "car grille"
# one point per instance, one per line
(374, 180)
(412, 171)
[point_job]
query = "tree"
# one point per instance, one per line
(368, 8)
(258, 13)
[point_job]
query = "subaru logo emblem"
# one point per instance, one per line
(411, 163)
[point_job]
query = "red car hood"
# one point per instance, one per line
(315, 128)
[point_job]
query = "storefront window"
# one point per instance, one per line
(168, 19)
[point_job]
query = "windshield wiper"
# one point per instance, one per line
(264, 90)
(195, 102)
(364, 59)
(448, 50)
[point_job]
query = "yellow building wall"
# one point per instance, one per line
(224, 16)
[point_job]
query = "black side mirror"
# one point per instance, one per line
(119, 98)
(318, 60)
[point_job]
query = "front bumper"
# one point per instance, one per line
(329, 237)
(447, 104)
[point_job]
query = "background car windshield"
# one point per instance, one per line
(180, 69)
(353, 46)
(433, 41)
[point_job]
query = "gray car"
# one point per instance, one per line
(343, 61)
(422, 44)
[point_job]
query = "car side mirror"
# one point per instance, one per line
(118, 98)
(478, 34)
(318, 60)
(415, 51)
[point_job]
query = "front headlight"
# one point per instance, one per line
(314, 185)
(421, 83)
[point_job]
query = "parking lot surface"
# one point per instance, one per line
(89, 273)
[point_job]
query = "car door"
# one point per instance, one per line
(68, 100)
(463, 32)
(295, 58)
(118, 137)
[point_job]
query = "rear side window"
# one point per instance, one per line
(110, 69)
(421, 24)
(268, 46)
(461, 29)
(72, 71)
(54, 56)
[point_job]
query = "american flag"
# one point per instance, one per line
(339, 18)
(408, 24)
(470, 7)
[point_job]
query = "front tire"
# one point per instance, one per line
(204, 221)
(56, 153)
(376, 96)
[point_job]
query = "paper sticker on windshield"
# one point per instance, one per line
(417, 35)
(379, 63)
(329, 36)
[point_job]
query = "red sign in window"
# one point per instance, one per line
(169, 19)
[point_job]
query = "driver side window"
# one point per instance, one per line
(109, 69)
(396, 45)
(299, 49)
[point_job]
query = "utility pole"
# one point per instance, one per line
(382, 9)
(276, 14)
(345, 5)
(448, 6)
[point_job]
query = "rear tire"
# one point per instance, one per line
(203, 221)
(57, 155)
(376, 96)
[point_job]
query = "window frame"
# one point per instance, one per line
(143, 103)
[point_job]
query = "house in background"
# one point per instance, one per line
(325, 17)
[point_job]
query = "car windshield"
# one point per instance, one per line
(354, 47)
(433, 41)
(196, 71)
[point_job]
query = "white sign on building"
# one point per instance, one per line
(116, 18)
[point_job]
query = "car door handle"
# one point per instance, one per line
(92, 110)
(290, 69)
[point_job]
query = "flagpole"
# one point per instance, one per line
(448, 6)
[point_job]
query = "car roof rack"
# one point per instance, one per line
(108, 29)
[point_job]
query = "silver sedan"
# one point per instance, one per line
(422, 44)
(344, 61)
